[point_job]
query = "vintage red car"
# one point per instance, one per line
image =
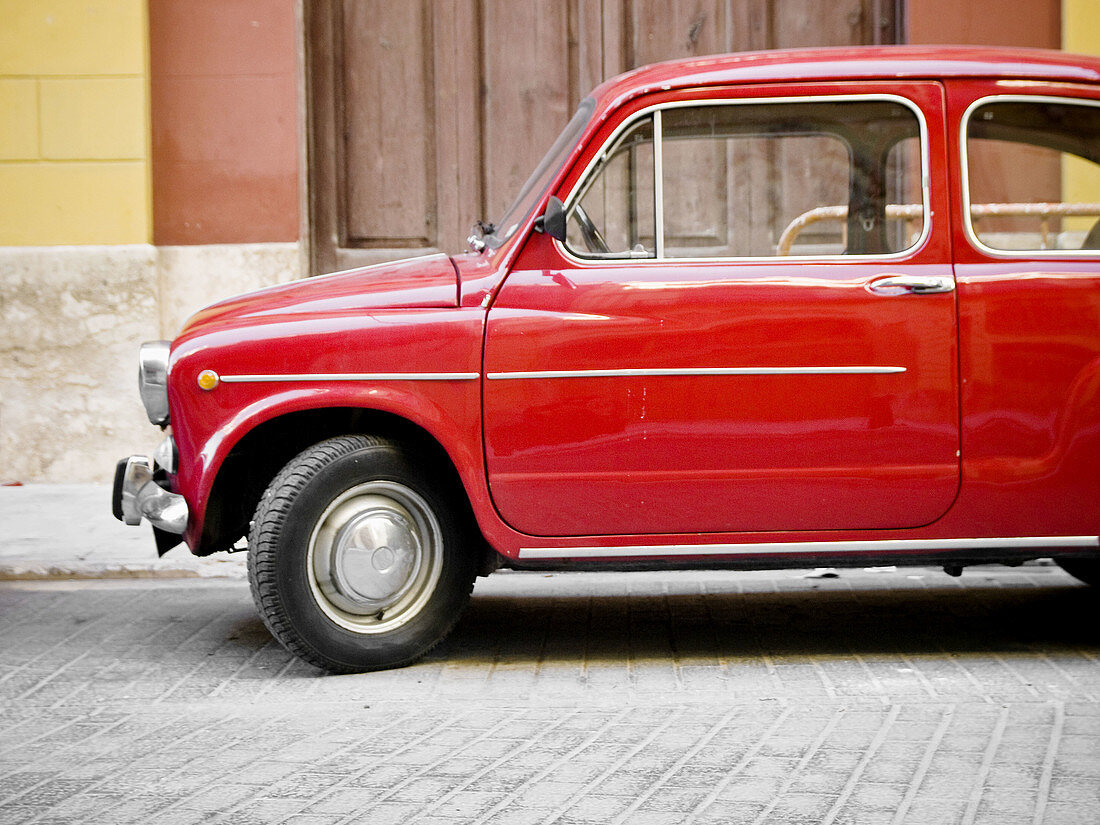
(807, 308)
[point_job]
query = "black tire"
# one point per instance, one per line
(1087, 570)
(325, 579)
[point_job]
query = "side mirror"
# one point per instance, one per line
(552, 221)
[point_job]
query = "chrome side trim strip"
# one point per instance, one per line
(353, 376)
(654, 373)
(805, 547)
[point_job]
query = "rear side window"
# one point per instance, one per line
(1033, 174)
(777, 178)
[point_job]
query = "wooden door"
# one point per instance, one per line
(427, 115)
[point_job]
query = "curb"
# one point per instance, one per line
(31, 570)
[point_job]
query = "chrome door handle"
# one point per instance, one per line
(911, 284)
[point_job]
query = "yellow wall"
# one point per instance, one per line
(1081, 35)
(74, 134)
(1081, 26)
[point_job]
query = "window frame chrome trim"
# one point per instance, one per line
(807, 547)
(964, 174)
(583, 181)
(658, 189)
(678, 372)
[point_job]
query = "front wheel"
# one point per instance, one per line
(356, 559)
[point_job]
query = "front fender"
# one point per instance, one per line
(421, 366)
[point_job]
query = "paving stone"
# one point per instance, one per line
(517, 816)
(1063, 813)
(857, 816)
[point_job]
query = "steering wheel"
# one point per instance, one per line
(592, 237)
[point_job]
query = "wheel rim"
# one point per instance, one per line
(375, 557)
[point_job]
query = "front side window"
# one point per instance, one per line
(614, 213)
(1033, 174)
(755, 180)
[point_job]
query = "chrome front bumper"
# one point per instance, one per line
(137, 496)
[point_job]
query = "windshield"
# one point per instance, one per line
(536, 185)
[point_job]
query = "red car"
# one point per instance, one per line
(809, 308)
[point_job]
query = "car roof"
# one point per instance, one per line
(851, 63)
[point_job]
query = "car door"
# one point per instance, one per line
(750, 325)
(1028, 270)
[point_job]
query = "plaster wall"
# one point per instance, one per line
(225, 123)
(71, 320)
(1035, 24)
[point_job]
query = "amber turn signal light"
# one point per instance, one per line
(208, 379)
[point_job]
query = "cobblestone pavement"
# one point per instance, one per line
(888, 697)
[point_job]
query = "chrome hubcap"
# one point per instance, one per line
(375, 557)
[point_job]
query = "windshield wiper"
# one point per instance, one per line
(478, 233)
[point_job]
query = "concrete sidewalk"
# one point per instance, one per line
(68, 531)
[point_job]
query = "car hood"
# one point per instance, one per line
(414, 283)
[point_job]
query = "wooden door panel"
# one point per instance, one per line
(796, 23)
(457, 124)
(664, 31)
(527, 96)
(427, 115)
(389, 180)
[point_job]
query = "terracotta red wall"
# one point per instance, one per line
(1034, 23)
(224, 89)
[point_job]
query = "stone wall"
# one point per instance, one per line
(71, 320)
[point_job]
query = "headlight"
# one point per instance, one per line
(153, 379)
